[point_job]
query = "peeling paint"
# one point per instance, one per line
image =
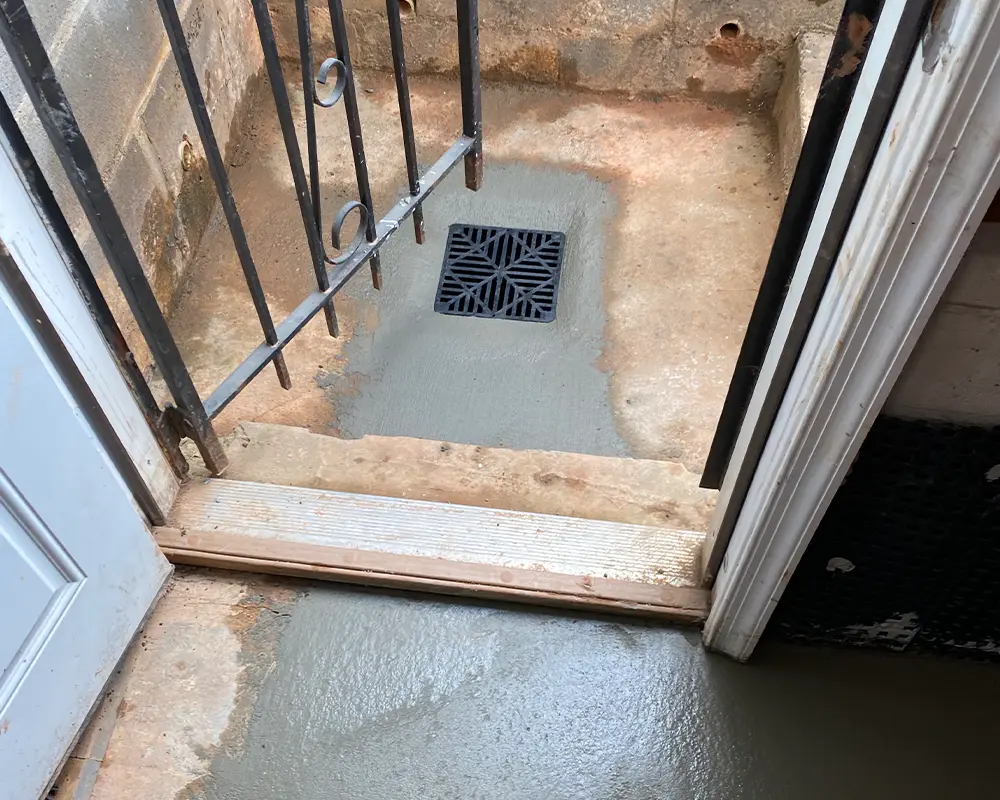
(937, 38)
(858, 29)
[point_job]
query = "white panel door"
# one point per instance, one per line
(78, 568)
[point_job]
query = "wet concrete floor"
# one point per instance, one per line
(669, 208)
(311, 691)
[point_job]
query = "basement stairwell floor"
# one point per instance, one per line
(668, 208)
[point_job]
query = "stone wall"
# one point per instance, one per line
(712, 47)
(114, 63)
(113, 60)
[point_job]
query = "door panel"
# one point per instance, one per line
(37, 578)
(78, 568)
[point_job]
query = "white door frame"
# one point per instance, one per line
(27, 234)
(932, 180)
(856, 144)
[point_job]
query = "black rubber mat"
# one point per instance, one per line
(908, 555)
(504, 273)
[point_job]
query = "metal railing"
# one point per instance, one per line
(192, 416)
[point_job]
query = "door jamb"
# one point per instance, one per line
(900, 26)
(935, 174)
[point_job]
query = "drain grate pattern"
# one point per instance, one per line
(504, 273)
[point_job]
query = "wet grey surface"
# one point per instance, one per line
(387, 697)
(487, 381)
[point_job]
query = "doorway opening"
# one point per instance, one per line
(667, 183)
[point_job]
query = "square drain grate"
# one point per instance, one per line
(503, 273)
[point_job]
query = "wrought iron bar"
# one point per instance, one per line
(20, 37)
(280, 93)
(343, 272)
(354, 129)
(405, 115)
(175, 33)
(193, 418)
(309, 101)
(472, 102)
(38, 186)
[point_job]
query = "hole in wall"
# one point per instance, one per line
(407, 7)
(730, 30)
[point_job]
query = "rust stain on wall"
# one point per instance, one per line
(737, 51)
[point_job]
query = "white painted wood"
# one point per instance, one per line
(715, 544)
(78, 569)
(932, 180)
(35, 249)
(503, 538)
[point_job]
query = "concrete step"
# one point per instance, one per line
(632, 491)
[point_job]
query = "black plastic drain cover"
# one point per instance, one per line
(505, 273)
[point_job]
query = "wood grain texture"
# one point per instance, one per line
(629, 490)
(241, 552)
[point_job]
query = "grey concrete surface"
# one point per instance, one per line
(375, 696)
(492, 382)
(793, 107)
(678, 199)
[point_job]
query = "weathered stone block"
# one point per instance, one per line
(793, 106)
(105, 69)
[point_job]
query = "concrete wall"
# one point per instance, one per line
(112, 59)
(953, 374)
(641, 46)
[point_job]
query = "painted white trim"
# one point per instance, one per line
(864, 92)
(35, 249)
(933, 178)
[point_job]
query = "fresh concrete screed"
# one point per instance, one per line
(253, 687)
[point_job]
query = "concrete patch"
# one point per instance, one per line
(675, 203)
(497, 383)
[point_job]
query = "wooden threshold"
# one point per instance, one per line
(491, 554)
(388, 570)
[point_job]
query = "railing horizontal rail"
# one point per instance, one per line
(342, 273)
(193, 417)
